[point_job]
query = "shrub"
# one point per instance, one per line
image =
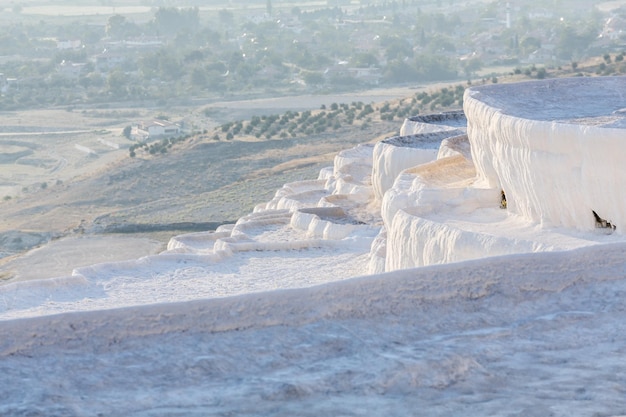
(127, 131)
(541, 73)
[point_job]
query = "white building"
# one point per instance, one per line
(69, 44)
(157, 128)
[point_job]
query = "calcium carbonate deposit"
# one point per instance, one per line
(474, 265)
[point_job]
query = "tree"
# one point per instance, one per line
(115, 26)
(313, 78)
(171, 20)
(365, 60)
(530, 44)
(15, 42)
(440, 43)
(541, 73)
(435, 68)
(396, 48)
(198, 77)
(226, 17)
(117, 84)
(91, 79)
(470, 66)
(149, 65)
(170, 67)
(572, 42)
(398, 71)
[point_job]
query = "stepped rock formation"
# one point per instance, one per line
(548, 149)
(526, 167)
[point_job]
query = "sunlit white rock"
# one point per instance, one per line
(555, 147)
(433, 122)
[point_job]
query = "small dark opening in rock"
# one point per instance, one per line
(601, 223)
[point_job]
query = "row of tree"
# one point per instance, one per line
(292, 124)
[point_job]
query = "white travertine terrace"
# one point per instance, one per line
(553, 147)
(432, 196)
(556, 148)
(395, 154)
(274, 311)
(433, 122)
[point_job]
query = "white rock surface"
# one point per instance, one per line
(392, 156)
(540, 334)
(553, 166)
(435, 122)
(555, 147)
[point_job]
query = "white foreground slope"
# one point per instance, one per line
(522, 335)
(555, 147)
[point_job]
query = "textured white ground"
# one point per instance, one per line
(59, 257)
(277, 323)
(522, 335)
(182, 278)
